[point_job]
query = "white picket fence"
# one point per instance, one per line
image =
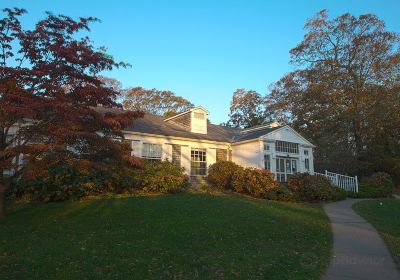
(345, 182)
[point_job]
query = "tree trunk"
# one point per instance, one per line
(357, 138)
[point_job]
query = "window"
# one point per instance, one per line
(152, 151)
(284, 168)
(306, 152)
(267, 162)
(221, 155)
(266, 147)
(287, 147)
(198, 162)
(307, 164)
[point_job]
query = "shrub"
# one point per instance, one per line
(220, 174)
(255, 182)
(67, 183)
(339, 194)
(379, 184)
(280, 193)
(162, 176)
(306, 187)
(365, 191)
(230, 176)
(62, 183)
(119, 179)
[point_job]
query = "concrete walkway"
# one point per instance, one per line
(358, 250)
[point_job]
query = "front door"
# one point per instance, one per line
(285, 167)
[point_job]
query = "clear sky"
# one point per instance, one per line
(203, 50)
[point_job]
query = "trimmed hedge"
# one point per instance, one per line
(67, 183)
(230, 176)
(306, 187)
(162, 176)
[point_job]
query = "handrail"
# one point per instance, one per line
(345, 182)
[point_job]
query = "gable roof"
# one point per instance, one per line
(156, 125)
(152, 124)
(286, 127)
(253, 134)
(188, 111)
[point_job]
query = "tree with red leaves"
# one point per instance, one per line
(50, 92)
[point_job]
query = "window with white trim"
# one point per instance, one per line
(267, 162)
(151, 151)
(306, 152)
(198, 161)
(287, 147)
(307, 164)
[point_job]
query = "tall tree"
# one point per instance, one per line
(345, 93)
(49, 91)
(247, 109)
(153, 101)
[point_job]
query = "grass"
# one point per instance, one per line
(187, 236)
(384, 215)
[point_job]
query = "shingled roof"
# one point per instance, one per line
(153, 124)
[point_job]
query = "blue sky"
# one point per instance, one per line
(202, 50)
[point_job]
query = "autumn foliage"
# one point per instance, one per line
(344, 93)
(50, 90)
(250, 181)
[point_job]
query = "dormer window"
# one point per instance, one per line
(194, 120)
(199, 116)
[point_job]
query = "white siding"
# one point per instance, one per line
(167, 152)
(270, 152)
(289, 135)
(248, 154)
(186, 146)
(185, 158)
(199, 125)
(211, 156)
(136, 148)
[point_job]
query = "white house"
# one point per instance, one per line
(191, 141)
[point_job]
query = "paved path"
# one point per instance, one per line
(359, 253)
(396, 196)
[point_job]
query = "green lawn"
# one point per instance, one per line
(187, 236)
(384, 215)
